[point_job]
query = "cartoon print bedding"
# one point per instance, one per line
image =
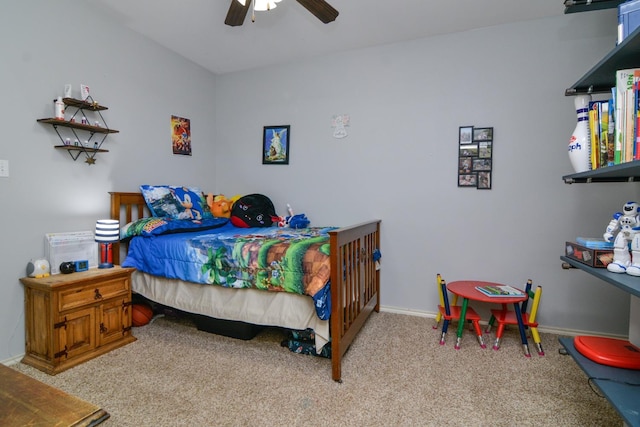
(271, 259)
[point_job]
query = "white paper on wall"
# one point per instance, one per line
(339, 122)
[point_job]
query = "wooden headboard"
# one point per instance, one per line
(126, 207)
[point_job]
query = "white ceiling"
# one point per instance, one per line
(195, 28)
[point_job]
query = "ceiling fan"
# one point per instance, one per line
(320, 8)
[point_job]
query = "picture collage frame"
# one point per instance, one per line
(475, 157)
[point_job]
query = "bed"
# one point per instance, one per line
(353, 270)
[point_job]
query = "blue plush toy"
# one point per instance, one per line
(294, 221)
(298, 221)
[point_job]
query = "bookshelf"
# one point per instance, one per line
(623, 397)
(575, 6)
(624, 172)
(614, 383)
(602, 76)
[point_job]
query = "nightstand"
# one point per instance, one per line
(71, 318)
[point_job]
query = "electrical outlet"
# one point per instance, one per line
(4, 168)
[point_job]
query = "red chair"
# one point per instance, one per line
(508, 317)
(452, 312)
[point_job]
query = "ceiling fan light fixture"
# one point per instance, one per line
(261, 5)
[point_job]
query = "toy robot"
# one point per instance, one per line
(627, 225)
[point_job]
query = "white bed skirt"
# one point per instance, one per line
(254, 306)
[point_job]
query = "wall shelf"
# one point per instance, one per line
(92, 143)
(624, 172)
(575, 6)
(74, 125)
(615, 383)
(629, 284)
(602, 77)
(625, 398)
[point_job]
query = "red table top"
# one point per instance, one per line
(467, 289)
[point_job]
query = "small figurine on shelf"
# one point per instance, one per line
(627, 226)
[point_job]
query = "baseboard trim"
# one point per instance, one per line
(14, 360)
(547, 329)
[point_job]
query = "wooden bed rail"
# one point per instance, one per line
(355, 285)
(355, 278)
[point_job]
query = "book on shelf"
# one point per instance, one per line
(601, 142)
(612, 131)
(624, 91)
(594, 133)
(594, 242)
(604, 133)
(636, 116)
(500, 291)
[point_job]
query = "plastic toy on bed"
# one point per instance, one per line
(294, 221)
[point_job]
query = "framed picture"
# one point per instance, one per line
(484, 180)
(482, 134)
(484, 149)
(467, 180)
(469, 150)
(275, 145)
(475, 157)
(181, 135)
(481, 165)
(465, 165)
(466, 134)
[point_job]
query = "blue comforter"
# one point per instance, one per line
(270, 259)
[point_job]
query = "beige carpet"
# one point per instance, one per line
(395, 374)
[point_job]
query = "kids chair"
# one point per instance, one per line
(452, 312)
(506, 317)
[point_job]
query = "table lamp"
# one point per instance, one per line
(107, 233)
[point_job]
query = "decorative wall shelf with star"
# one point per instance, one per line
(78, 121)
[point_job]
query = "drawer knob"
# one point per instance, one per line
(97, 295)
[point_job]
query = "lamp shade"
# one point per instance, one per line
(107, 230)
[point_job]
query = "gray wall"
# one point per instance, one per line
(45, 45)
(406, 102)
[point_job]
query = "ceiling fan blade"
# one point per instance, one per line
(236, 13)
(321, 9)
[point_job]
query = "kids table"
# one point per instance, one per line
(467, 290)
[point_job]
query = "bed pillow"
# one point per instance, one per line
(154, 226)
(176, 202)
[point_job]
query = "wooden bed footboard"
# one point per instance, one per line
(355, 279)
(355, 285)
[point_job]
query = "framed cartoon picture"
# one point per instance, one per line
(181, 135)
(275, 145)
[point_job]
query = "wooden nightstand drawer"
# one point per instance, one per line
(84, 295)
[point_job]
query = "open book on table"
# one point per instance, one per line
(500, 291)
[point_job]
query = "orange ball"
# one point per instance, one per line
(141, 314)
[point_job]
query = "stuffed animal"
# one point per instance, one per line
(220, 206)
(293, 221)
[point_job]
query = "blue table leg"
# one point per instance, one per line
(523, 334)
(461, 322)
